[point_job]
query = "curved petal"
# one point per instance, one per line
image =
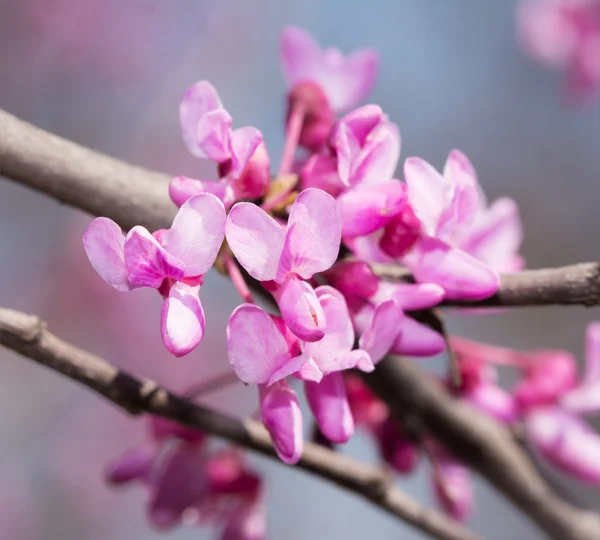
(312, 241)
(182, 188)
(296, 366)
(213, 134)
(354, 81)
(379, 156)
(353, 279)
(256, 348)
(244, 142)
(453, 487)
(460, 275)
(329, 404)
(282, 417)
(182, 319)
(382, 331)
(134, 464)
(339, 336)
(360, 122)
(104, 244)
(300, 55)
(396, 449)
(256, 240)
(320, 171)
(301, 310)
(197, 233)
(416, 339)
(409, 296)
(428, 192)
(148, 263)
(309, 371)
(198, 100)
(365, 209)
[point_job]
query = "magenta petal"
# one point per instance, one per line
(416, 339)
(148, 263)
(214, 135)
(244, 142)
(365, 209)
(247, 522)
(353, 279)
(356, 359)
(104, 243)
(360, 122)
(180, 483)
(301, 310)
(255, 346)
(300, 54)
(494, 401)
(460, 275)
(296, 365)
(198, 100)
(182, 188)
(396, 449)
(329, 403)
(197, 233)
(312, 241)
(309, 371)
(379, 156)
(410, 296)
(566, 441)
(132, 465)
(320, 171)
(382, 331)
(453, 486)
(282, 417)
(182, 319)
(256, 240)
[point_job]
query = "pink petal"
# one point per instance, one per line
(198, 100)
(339, 336)
(566, 441)
(592, 354)
(301, 310)
(368, 248)
(244, 142)
(354, 81)
(255, 177)
(409, 296)
(496, 236)
(416, 339)
(428, 193)
(356, 359)
(460, 275)
(132, 465)
(197, 233)
(182, 188)
(453, 486)
(320, 171)
(353, 279)
(179, 484)
(248, 522)
(360, 123)
(213, 134)
(182, 319)
(365, 209)
(494, 401)
(309, 371)
(282, 417)
(295, 366)
(312, 241)
(385, 324)
(256, 348)
(300, 55)
(329, 404)
(396, 449)
(148, 263)
(104, 243)
(256, 240)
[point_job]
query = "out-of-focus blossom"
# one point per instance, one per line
(286, 256)
(564, 35)
(322, 82)
(240, 153)
(172, 261)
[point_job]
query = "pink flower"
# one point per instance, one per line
(286, 256)
(564, 34)
(396, 449)
(322, 82)
(447, 207)
(241, 154)
(172, 261)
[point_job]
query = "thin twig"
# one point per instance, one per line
(27, 335)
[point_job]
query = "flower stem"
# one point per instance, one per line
(238, 279)
(490, 353)
(292, 136)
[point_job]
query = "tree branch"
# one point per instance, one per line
(27, 335)
(418, 402)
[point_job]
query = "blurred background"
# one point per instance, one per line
(109, 74)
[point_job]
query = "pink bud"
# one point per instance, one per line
(400, 233)
(353, 279)
(396, 449)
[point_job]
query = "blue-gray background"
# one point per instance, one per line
(109, 74)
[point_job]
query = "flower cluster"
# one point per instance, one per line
(564, 35)
(335, 191)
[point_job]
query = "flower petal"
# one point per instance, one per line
(365, 209)
(182, 319)
(312, 241)
(104, 243)
(385, 324)
(300, 54)
(416, 339)
(246, 522)
(148, 263)
(353, 279)
(256, 348)
(309, 371)
(320, 171)
(460, 275)
(592, 354)
(453, 487)
(256, 240)
(301, 310)
(244, 142)
(379, 156)
(182, 188)
(197, 233)
(293, 366)
(198, 100)
(329, 403)
(409, 296)
(134, 464)
(494, 401)
(282, 417)
(213, 134)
